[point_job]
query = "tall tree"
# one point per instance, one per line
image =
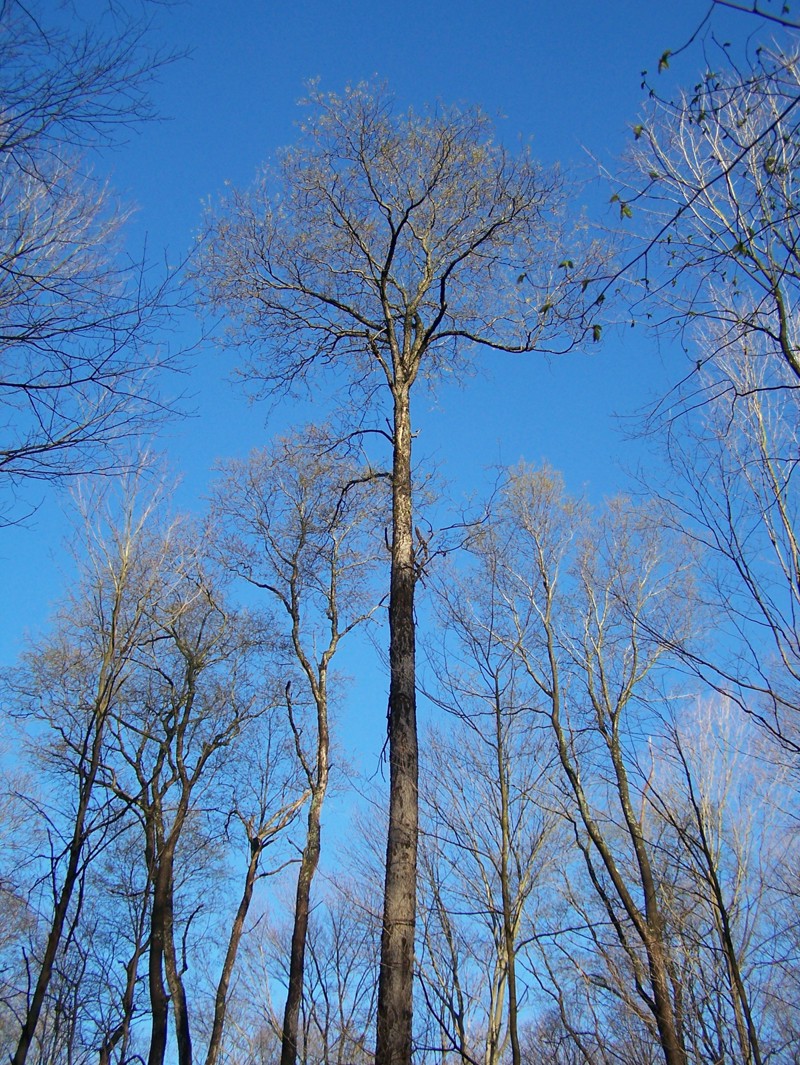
(385, 248)
(578, 597)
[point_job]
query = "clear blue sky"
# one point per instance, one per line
(565, 76)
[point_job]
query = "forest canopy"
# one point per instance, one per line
(391, 743)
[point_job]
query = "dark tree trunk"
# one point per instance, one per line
(395, 986)
(163, 959)
(71, 878)
(509, 937)
(121, 1034)
(221, 997)
(180, 1008)
(159, 1000)
(308, 867)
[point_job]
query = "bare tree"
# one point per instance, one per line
(337, 1010)
(296, 521)
(486, 832)
(385, 248)
(733, 491)
(137, 707)
(78, 317)
(71, 685)
(194, 697)
(716, 180)
(577, 596)
(718, 791)
(733, 255)
(267, 799)
(488, 822)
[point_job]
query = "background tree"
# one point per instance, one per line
(71, 685)
(295, 521)
(193, 697)
(734, 493)
(574, 595)
(385, 248)
(718, 187)
(488, 821)
(721, 186)
(717, 793)
(142, 702)
(78, 318)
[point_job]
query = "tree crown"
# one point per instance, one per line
(398, 240)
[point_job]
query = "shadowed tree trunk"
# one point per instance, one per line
(395, 988)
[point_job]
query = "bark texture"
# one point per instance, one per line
(395, 988)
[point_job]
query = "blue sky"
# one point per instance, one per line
(565, 77)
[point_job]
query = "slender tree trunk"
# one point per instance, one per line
(745, 1023)
(669, 1032)
(649, 926)
(159, 1000)
(221, 997)
(395, 986)
(180, 1009)
(163, 959)
(308, 867)
(121, 1033)
(71, 878)
(509, 932)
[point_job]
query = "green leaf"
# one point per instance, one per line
(625, 210)
(637, 132)
(545, 307)
(521, 278)
(596, 333)
(567, 264)
(663, 62)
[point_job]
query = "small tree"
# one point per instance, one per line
(385, 248)
(488, 822)
(718, 795)
(195, 696)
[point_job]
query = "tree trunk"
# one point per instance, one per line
(166, 885)
(71, 878)
(395, 986)
(308, 867)
(509, 930)
(163, 957)
(221, 997)
(121, 1033)
(159, 1000)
